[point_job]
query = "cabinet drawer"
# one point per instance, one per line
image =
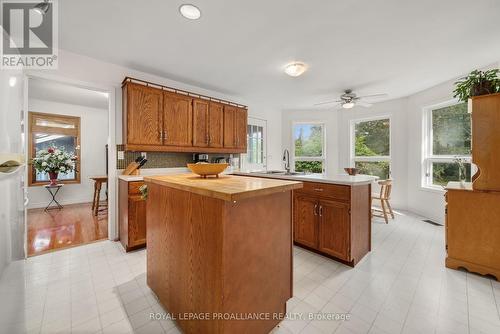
(133, 187)
(326, 190)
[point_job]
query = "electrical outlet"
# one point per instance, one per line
(121, 155)
(144, 154)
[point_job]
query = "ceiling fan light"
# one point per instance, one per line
(347, 105)
(295, 69)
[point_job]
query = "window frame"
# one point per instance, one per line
(428, 157)
(33, 128)
(376, 158)
(253, 121)
(295, 158)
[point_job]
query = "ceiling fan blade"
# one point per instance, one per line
(363, 104)
(372, 95)
(327, 102)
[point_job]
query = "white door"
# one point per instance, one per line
(256, 156)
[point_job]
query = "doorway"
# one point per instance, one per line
(67, 133)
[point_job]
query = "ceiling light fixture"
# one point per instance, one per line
(190, 12)
(347, 105)
(295, 69)
(43, 7)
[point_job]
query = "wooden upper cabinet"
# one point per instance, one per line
(305, 211)
(216, 124)
(200, 123)
(334, 229)
(229, 133)
(157, 118)
(240, 128)
(144, 111)
(177, 120)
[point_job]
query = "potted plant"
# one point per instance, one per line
(477, 83)
(54, 161)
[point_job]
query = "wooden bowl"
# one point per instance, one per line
(351, 171)
(204, 169)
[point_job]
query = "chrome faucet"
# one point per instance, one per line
(286, 159)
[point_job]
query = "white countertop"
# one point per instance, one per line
(343, 179)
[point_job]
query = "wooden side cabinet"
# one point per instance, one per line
(333, 220)
(473, 230)
(131, 215)
(235, 128)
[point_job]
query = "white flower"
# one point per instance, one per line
(61, 157)
(44, 164)
(68, 162)
(62, 169)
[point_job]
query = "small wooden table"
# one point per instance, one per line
(98, 181)
(53, 189)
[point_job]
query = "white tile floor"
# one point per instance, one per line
(402, 286)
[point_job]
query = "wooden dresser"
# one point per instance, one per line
(473, 211)
(131, 215)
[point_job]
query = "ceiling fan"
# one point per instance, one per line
(350, 99)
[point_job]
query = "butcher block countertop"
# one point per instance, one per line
(225, 187)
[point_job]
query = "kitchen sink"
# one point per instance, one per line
(282, 172)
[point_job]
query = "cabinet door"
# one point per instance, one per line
(200, 123)
(240, 128)
(229, 116)
(136, 221)
(216, 125)
(177, 120)
(305, 221)
(144, 107)
(334, 229)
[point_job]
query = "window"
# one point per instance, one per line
(371, 147)
(448, 136)
(50, 130)
(309, 147)
(256, 145)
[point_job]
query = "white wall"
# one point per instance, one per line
(11, 194)
(337, 133)
(93, 138)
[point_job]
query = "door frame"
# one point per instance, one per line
(112, 171)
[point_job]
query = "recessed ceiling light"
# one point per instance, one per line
(12, 81)
(190, 12)
(295, 69)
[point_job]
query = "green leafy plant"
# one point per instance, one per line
(477, 83)
(54, 160)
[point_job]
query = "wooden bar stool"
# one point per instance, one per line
(98, 181)
(384, 196)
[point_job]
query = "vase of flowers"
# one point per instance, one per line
(54, 161)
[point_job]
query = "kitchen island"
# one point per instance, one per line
(331, 213)
(219, 253)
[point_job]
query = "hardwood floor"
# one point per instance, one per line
(72, 226)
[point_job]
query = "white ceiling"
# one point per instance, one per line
(63, 93)
(239, 47)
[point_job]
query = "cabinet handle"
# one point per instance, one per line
(318, 189)
(165, 135)
(207, 140)
(314, 210)
(321, 210)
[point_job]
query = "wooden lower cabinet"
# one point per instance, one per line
(131, 215)
(473, 231)
(334, 232)
(333, 220)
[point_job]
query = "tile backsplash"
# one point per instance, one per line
(160, 159)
